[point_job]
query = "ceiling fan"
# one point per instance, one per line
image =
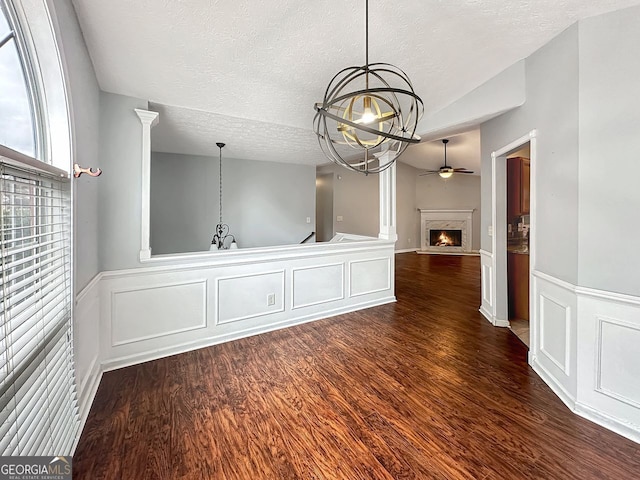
(446, 171)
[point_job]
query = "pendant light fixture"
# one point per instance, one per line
(222, 229)
(364, 108)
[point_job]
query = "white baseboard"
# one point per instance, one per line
(86, 395)
(407, 250)
(486, 314)
(491, 319)
(473, 253)
(558, 389)
(121, 362)
(630, 431)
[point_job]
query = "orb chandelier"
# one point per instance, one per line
(221, 233)
(364, 108)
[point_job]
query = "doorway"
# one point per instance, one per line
(518, 228)
(499, 261)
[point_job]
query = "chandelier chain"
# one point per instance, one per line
(220, 184)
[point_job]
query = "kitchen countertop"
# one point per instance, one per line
(518, 249)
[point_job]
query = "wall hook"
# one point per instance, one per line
(78, 170)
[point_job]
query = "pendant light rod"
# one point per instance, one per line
(445, 141)
(220, 145)
(366, 43)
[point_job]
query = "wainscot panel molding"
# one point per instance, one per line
(584, 346)
(487, 286)
(86, 324)
(370, 276)
(609, 360)
(317, 284)
(162, 310)
(240, 297)
(553, 335)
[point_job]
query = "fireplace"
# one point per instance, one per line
(446, 231)
(445, 238)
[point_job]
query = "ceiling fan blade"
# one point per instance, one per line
(427, 173)
(462, 170)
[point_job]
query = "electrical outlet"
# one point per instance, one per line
(339, 218)
(271, 299)
(308, 219)
(408, 240)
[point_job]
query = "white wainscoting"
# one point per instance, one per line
(487, 286)
(585, 344)
(609, 360)
(553, 353)
(86, 325)
(157, 311)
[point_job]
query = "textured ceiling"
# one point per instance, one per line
(269, 62)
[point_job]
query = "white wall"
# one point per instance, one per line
(459, 191)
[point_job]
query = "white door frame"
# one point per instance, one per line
(499, 236)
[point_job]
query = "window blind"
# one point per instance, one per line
(38, 403)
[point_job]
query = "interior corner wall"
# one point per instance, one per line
(264, 203)
(552, 109)
(356, 198)
(120, 157)
(609, 152)
(324, 206)
(83, 94)
(407, 215)
(459, 191)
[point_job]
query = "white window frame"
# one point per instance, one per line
(39, 48)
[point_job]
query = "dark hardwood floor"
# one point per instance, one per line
(423, 388)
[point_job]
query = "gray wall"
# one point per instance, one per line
(552, 109)
(356, 199)
(608, 254)
(83, 93)
(324, 207)
(459, 191)
(120, 184)
(407, 213)
(184, 202)
(264, 203)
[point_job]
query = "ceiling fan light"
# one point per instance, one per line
(445, 173)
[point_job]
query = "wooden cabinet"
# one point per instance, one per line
(518, 285)
(518, 187)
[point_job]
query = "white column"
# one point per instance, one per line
(387, 197)
(148, 120)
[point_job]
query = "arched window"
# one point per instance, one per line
(38, 414)
(20, 114)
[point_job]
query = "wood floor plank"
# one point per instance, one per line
(424, 388)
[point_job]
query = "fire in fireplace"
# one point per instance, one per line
(445, 238)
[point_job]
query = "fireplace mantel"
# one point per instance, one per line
(446, 219)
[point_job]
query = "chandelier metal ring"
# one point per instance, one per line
(364, 108)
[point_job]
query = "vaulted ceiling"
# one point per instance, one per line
(248, 73)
